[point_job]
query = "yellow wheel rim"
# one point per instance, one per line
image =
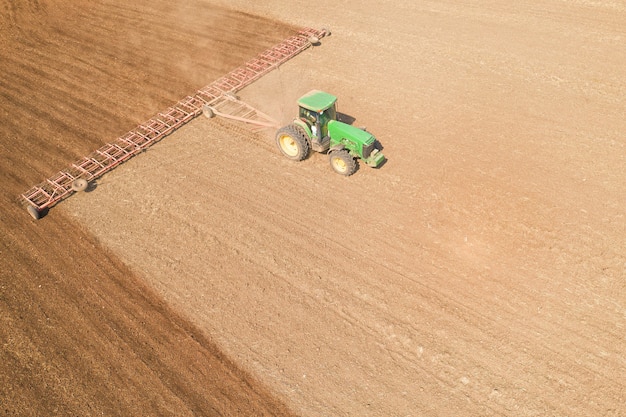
(288, 145)
(339, 164)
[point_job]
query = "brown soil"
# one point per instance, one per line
(80, 333)
(479, 272)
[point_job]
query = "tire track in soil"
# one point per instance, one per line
(80, 333)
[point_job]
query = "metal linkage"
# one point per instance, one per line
(75, 178)
(230, 107)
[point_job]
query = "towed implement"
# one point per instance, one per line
(78, 176)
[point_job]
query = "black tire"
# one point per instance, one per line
(293, 142)
(342, 162)
(80, 184)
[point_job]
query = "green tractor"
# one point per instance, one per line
(317, 128)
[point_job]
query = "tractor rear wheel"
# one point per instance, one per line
(342, 162)
(293, 142)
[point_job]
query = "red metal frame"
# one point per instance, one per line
(101, 161)
(230, 107)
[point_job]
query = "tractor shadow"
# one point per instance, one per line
(345, 118)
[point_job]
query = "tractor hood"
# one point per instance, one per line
(339, 132)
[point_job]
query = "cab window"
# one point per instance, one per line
(308, 115)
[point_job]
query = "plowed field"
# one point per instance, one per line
(481, 271)
(80, 333)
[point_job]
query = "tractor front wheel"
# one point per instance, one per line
(293, 143)
(342, 162)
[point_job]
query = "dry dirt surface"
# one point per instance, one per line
(80, 334)
(481, 271)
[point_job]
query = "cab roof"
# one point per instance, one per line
(317, 100)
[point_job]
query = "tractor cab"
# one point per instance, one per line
(317, 108)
